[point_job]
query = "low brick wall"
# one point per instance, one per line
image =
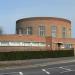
(21, 48)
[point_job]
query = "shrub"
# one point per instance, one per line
(22, 55)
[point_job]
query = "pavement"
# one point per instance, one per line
(56, 69)
(35, 62)
(49, 66)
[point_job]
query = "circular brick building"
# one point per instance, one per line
(38, 33)
(44, 26)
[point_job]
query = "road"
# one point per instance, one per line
(56, 69)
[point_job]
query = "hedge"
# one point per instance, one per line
(22, 55)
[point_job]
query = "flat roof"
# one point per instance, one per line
(43, 18)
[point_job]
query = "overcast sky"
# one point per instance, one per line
(12, 10)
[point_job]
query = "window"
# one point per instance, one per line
(53, 31)
(19, 31)
(64, 32)
(28, 30)
(4, 43)
(42, 44)
(42, 30)
(27, 43)
(35, 43)
(68, 45)
(20, 43)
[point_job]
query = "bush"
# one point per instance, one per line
(22, 55)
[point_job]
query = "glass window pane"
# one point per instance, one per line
(42, 30)
(53, 31)
(64, 32)
(28, 30)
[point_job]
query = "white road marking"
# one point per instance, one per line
(20, 73)
(65, 68)
(45, 71)
(61, 66)
(67, 71)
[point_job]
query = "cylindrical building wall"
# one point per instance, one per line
(44, 26)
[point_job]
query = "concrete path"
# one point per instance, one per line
(35, 62)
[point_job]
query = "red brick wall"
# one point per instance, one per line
(47, 22)
(9, 49)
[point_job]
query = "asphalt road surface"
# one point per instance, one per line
(57, 69)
